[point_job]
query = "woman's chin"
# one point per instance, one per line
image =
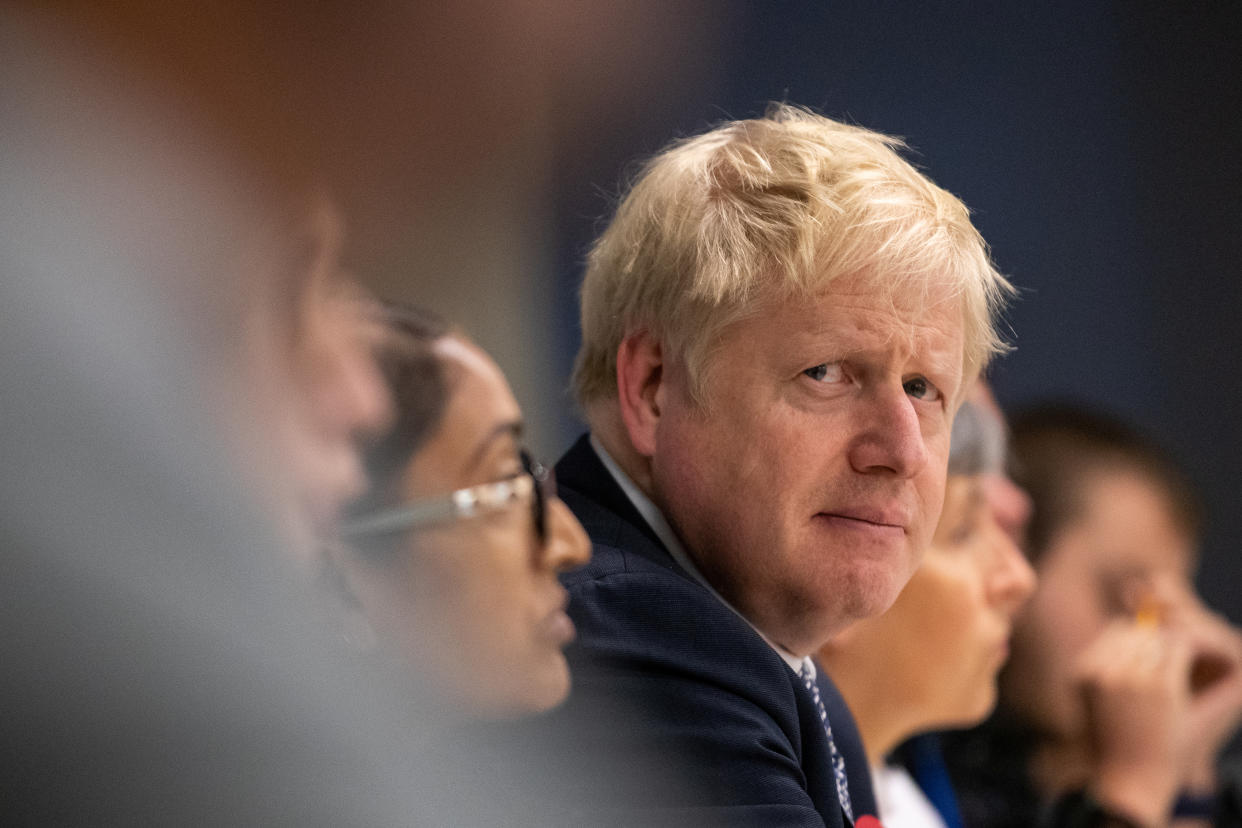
(542, 690)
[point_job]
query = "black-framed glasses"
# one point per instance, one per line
(535, 482)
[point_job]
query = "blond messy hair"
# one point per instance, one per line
(768, 208)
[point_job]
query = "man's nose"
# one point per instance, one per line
(890, 438)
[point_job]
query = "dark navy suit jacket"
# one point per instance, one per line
(689, 716)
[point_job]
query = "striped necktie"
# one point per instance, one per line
(838, 764)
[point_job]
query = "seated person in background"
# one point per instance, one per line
(1122, 687)
(449, 563)
(779, 324)
(931, 661)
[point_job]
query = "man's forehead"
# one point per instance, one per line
(901, 317)
(911, 294)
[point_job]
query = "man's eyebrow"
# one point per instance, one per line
(509, 428)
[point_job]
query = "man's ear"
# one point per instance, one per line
(640, 389)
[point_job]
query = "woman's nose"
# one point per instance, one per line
(1013, 579)
(567, 546)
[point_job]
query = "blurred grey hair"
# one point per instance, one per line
(978, 442)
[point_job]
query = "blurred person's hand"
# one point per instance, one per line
(1214, 676)
(1215, 682)
(1133, 679)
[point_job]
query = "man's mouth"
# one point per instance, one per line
(882, 519)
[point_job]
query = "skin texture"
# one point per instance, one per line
(931, 660)
(480, 590)
(1134, 710)
(808, 487)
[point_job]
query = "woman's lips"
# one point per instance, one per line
(558, 627)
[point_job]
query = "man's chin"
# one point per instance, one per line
(873, 591)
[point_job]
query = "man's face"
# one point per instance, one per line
(808, 488)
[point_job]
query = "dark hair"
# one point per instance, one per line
(1059, 448)
(416, 380)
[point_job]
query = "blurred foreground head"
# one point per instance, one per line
(149, 199)
(190, 372)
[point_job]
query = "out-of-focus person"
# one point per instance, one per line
(309, 389)
(1122, 686)
(189, 373)
(930, 662)
(779, 324)
(449, 562)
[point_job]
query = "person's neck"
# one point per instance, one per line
(878, 742)
(879, 711)
(880, 730)
(608, 428)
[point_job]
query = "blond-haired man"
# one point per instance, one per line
(778, 326)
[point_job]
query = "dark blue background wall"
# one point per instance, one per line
(1097, 144)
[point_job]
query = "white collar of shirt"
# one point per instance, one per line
(901, 802)
(659, 524)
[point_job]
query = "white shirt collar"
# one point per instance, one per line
(900, 800)
(660, 525)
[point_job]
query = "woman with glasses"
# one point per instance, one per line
(449, 562)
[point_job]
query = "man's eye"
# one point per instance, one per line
(921, 389)
(826, 372)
